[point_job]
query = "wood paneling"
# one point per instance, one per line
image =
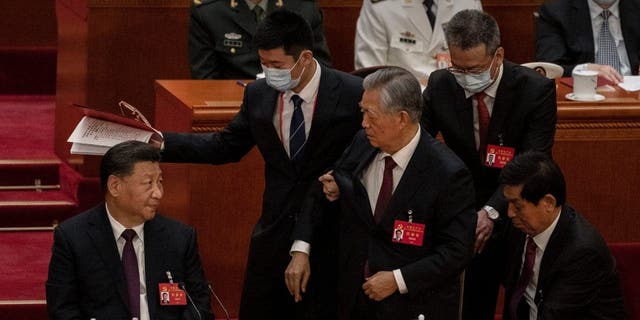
(597, 146)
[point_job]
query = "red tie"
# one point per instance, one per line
(386, 189)
(525, 278)
(483, 123)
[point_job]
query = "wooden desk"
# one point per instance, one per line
(221, 202)
(597, 145)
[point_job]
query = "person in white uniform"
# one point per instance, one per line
(406, 33)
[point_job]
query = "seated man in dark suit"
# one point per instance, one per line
(108, 262)
(600, 35)
(221, 34)
(558, 266)
(394, 176)
(487, 109)
(301, 118)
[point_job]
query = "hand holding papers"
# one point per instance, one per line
(98, 131)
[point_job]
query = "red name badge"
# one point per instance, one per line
(408, 233)
(171, 295)
(498, 156)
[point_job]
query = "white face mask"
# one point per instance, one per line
(474, 82)
(280, 79)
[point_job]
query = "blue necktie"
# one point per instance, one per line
(297, 137)
(130, 264)
(607, 51)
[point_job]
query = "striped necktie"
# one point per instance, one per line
(297, 136)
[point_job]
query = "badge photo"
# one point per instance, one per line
(498, 156)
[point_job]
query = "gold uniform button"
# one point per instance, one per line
(233, 50)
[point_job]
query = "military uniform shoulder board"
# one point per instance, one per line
(201, 2)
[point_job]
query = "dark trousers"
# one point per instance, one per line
(482, 282)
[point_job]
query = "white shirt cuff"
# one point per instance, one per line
(402, 287)
(301, 246)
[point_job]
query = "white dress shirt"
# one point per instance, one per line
(541, 240)
(138, 247)
(284, 109)
(372, 180)
(616, 31)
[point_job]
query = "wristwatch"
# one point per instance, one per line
(492, 213)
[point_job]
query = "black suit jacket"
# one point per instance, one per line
(86, 277)
(523, 117)
(437, 188)
(578, 278)
(221, 38)
(336, 119)
(564, 34)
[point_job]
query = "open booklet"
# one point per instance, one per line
(98, 131)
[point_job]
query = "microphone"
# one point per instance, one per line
(226, 313)
(181, 286)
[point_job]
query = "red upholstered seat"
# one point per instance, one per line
(627, 255)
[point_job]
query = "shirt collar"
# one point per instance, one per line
(309, 92)
(491, 90)
(542, 238)
(262, 4)
(118, 228)
(595, 9)
(403, 156)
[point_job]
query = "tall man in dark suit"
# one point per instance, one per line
(394, 176)
(573, 34)
(108, 262)
(301, 118)
(221, 34)
(559, 267)
(487, 109)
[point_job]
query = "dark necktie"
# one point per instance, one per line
(297, 137)
(258, 12)
(386, 189)
(607, 51)
(517, 306)
(430, 14)
(130, 264)
(483, 123)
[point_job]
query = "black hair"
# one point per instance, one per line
(284, 29)
(538, 175)
(470, 28)
(121, 159)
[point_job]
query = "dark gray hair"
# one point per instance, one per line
(471, 28)
(399, 91)
(122, 157)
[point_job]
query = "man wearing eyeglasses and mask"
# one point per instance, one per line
(301, 118)
(487, 110)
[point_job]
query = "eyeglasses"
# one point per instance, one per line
(475, 70)
(133, 112)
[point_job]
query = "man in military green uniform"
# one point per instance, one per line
(221, 36)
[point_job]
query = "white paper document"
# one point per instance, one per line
(631, 83)
(95, 136)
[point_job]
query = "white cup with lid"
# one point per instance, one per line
(584, 84)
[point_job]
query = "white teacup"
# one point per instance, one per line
(584, 84)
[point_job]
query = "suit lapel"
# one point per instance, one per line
(413, 177)
(265, 111)
(365, 212)
(244, 17)
(445, 9)
(502, 104)
(155, 245)
(630, 31)
(326, 104)
(555, 246)
(101, 234)
(464, 112)
(418, 16)
(581, 18)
